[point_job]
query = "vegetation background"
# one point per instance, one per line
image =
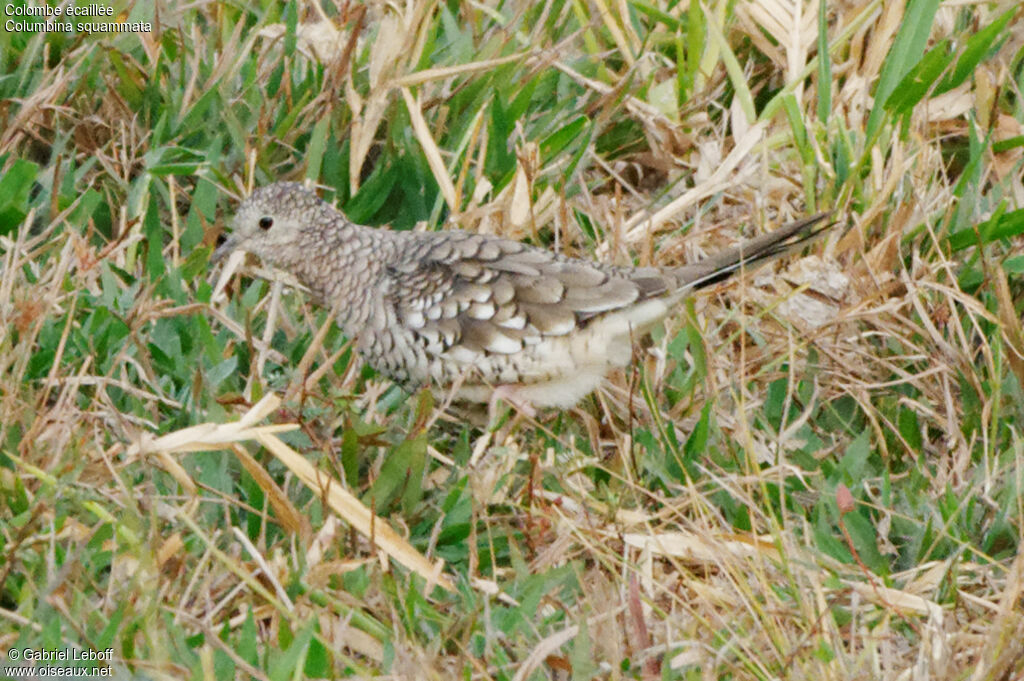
(811, 473)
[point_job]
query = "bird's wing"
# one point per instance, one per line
(490, 295)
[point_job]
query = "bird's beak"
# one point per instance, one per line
(224, 249)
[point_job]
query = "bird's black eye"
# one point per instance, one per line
(266, 223)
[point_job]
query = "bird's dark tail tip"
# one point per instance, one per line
(757, 251)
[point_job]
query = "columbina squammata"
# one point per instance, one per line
(481, 312)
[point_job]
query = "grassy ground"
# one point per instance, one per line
(814, 472)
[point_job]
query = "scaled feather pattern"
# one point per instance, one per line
(479, 311)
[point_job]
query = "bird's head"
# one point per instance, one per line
(269, 222)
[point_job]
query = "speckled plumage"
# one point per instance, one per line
(451, 307)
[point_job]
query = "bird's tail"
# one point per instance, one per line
(753, 252)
